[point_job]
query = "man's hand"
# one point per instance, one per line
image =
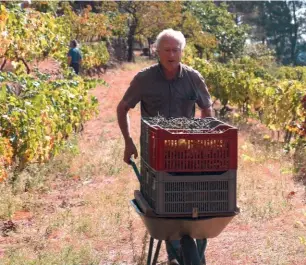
(206, 112)
(130, 149)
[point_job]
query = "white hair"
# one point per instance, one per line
(177, 35)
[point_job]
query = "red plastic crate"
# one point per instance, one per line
(187, 150)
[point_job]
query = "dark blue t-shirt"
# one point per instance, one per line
(75, 55)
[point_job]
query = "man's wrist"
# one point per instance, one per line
(128, 139)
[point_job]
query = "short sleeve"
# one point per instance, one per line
(204, 98)
(69, 53)
(133, 94)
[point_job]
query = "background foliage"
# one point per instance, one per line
(240, 48)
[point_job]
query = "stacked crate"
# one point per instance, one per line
(188, 172)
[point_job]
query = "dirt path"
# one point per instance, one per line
(91, 207)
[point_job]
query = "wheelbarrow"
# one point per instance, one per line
(179, 228)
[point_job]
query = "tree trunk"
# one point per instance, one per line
(25, 64)
(131, 38)
(149, 42)
(299, 160)
(3, 64)
(294, 34)
(199, 51)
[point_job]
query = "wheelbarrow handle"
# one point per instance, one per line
(132, 163)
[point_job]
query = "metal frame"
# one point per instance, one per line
(201, 246)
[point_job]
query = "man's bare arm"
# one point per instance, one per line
(207, 112)
(123, 119)
(124, 124)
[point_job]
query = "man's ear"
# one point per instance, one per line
(157, 56)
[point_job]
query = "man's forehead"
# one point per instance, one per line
(169, 42)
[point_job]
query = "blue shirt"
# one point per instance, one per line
(75, 55)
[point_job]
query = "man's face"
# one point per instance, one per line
(169, 53)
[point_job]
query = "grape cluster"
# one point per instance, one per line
(183, 123)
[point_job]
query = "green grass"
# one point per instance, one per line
(68, 255)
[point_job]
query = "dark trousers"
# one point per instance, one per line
(177, 245)
(76, 67)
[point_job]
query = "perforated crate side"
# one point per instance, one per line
(189, 152)
(208, 193)
(194, 152)
(144, 141)
(148, 184)
(179, 194)
(148, 143)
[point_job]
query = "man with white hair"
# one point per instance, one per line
(168, 88)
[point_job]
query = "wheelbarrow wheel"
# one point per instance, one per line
(189, 251)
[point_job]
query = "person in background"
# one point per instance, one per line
(25, 4)
(168, 88)
(74, 56)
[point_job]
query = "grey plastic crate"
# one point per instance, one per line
(179, 194)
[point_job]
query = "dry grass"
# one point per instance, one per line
(263, 182)
(140, 62)
(80, 213)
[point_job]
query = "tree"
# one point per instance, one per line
(203, 42)
(146, 19)
(161, 15)
(222, 24)
(278, 23)
(281, 28)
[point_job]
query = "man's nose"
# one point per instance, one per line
(172, 53)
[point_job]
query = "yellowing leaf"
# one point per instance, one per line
(266, 137)
(298, 224)
(14, 64)
(247, 158)
(244, 147)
